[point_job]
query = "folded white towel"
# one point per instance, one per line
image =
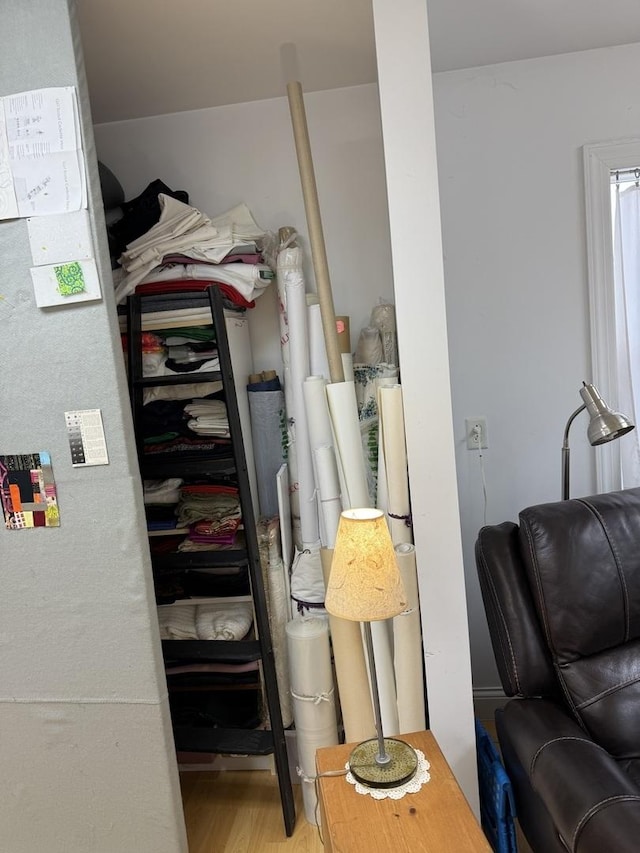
(178, 623)
(224, 621)
(163, 623)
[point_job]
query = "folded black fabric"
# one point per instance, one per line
(162, 416)
(139, 215)
(238, 709)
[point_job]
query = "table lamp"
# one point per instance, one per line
(364, 586)
(604, 425)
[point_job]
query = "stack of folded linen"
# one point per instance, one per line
(211, 512)
(208, 417)
(198, 241)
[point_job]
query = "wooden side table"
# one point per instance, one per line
(437, 819)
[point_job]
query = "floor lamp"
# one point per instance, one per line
(365, 586)
(604, 425)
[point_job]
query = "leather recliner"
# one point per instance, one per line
(561, 590)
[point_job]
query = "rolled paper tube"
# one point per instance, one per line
(347, 366)
(395, 457)
(318, 364)
(351, 671)
(329, 491)
(320, 435)
(308, 743)
(285, 351)
(309, 657)
(307, 583)
(344, 334)
(267, 408)
(346, 427)
(286, 536)
(381, 637)
(407, 642)
(299, 354)
(312, 692)
(314, 225)
(278, 618)
(317, 407)
(316, 714)
(382, 494)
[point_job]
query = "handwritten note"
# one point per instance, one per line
(41, 154)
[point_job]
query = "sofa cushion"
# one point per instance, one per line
(582, 558)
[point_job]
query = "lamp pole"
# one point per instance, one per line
(382, 757)
(565, 453)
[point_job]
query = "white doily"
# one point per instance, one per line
(414, 784)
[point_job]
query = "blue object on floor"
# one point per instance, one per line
(497, 808)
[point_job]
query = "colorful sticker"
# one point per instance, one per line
(70, 278)
(28, 491)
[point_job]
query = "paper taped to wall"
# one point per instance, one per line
(41, 161)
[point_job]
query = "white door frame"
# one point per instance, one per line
(599, 161)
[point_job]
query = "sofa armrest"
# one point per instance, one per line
(593, 803)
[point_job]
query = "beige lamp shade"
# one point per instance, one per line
(365, 583)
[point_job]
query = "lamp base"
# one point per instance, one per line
(402, 764)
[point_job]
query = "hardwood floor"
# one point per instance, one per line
(239, 812)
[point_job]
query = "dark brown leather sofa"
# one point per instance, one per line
(561, 591)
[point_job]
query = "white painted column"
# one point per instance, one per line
(406, 100)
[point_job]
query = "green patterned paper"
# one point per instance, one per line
(70, 278)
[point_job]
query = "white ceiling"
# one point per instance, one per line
(151, 57)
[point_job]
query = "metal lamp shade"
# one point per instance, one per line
(604, 423)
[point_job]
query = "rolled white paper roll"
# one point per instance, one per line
(347, 366)
(317, 409)
(299, 360)
(278, 618)
(395, 460)
(407, 642)
(283, 263)
(380, 635)
(318, 362)
(343, 409)
(351, 671)
(313, 698)
(329, 490)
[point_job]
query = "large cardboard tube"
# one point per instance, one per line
(314, 224)
(351, 670)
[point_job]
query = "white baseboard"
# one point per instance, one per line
(486, 700)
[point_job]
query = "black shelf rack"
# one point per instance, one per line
(219, 740)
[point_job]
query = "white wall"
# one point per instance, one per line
(87, 754)
(245, 152)
(509, 141)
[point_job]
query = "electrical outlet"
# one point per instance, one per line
(476, 433)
